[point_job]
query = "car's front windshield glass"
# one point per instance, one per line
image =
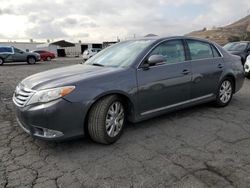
(121, 54)
(236, 46)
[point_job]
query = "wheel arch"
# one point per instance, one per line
(232, 77)
(127, 101)
(28, 56)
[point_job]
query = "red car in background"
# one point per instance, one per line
(45, 55)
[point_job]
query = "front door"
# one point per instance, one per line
(19, 55)
(166, 84)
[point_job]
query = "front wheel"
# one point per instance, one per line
(106, 120)
(1, 61)
(225, 93)
(31, 60)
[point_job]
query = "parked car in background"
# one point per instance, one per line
(45, 55)
(12, 54)
(90, 53)
(247, 67)
(132, 80)
(241, 49)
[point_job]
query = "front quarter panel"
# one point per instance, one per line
(89, 91)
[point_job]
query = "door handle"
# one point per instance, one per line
(220, 66)
(185, 72)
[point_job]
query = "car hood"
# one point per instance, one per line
(69, 75)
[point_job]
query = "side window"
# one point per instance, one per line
(215, 52)
(172, 51)
(199, 50)
(5, 50)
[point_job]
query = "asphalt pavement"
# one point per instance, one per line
(198, 147)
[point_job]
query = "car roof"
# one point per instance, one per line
(161, 38)
(6, 46)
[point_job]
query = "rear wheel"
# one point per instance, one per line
(1, 61)
(48, 58)
(31, 60)
(106, 120)
(225, 92)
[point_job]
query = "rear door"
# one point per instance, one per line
(207, 67)
(164, 85)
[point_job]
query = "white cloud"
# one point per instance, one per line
(97, 20)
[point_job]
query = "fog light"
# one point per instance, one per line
(47, 133)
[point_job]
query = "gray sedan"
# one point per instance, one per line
(131, 81)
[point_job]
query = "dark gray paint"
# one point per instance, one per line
(150, 92)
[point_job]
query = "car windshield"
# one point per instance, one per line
(236, 46)
(119, 55)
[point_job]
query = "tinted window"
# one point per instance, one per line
(199, 50)
(215, 52)
(6, 50)
(172, 51)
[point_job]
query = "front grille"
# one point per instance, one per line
(22, 95)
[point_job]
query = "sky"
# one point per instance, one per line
(99, 20)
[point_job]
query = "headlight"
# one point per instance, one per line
(44, 96)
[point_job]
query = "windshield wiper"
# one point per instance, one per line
(97, 64)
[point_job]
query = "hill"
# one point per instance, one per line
(239, 30)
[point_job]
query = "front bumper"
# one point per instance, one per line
(56, 120)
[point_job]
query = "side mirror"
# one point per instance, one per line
(155, 59)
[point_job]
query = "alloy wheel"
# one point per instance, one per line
(31, 60)
(225, 91)
(114, 119)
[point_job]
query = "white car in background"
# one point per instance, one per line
(90, 53)
(247, 67)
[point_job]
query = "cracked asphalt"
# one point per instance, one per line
(198, 147)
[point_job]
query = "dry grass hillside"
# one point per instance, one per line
(239, 30)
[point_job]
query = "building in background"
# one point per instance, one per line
(61, 48)
(25, 46)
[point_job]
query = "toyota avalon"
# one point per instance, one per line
(130, 81)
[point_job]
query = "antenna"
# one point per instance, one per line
(248, 12)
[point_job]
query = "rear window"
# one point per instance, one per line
(5, 50)
(199, 50)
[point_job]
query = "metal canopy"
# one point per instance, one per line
(63, 43)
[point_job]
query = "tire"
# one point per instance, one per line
(1, 61)
(48, 58)
(225, 93)
(102, 112)
(31, 60)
